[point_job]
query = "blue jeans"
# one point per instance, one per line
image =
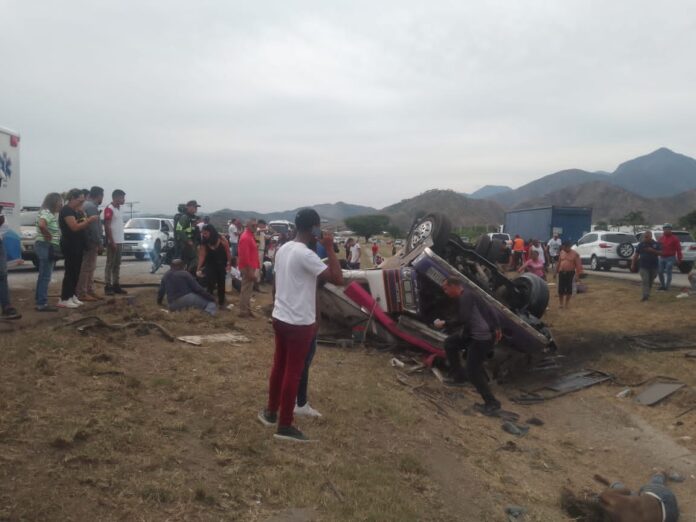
(664, 271)
(193, 301)
(304, 380)
(234, 249)
(46, 264)
(657, 487)
(4, 286)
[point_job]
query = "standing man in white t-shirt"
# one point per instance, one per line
(233, 232)
(297, 270)
(113, 230)
(553, 248)
(355, 255)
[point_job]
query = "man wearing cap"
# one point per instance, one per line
(185, 238)
(298, 269)
(670, 254)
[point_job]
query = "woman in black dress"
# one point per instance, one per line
(214, 261)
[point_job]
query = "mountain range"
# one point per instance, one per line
(661, 184)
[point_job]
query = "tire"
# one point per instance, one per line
(594, 264)
(140, 256)
(686, 266)
(534, 292)
(435, 226)
(35, 262)
(483, 246)
(607, 268)
(158, 248)
(625, 250)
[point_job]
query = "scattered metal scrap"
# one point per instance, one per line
(564, 385)
(660, 342)
(141, 327)
(227, 337)
(657, 392)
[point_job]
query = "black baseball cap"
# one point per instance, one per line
(192, 203)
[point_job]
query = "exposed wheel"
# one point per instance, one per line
(594, 263)
(140, 256)
(35, 262)
(686, 266)
(534, 293)
(625, 250)
(158, 248)
(435, 226)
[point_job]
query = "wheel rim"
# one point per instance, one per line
(593, 264)
(423, 231)
(626, 251)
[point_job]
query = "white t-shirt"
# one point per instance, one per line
(115, 221)
(234, 233)
(296, 271)
(539, 249)
(554, 246)
(355, 253)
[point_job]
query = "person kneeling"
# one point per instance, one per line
(183, 291)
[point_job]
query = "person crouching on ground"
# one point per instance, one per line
(183, 291)
(298, 268)
(214, 261)
(478, 328)
(569, 264)
(646, 261)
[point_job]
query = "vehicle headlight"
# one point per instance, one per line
(148, 236)
(28, 235)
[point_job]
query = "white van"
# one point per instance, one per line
(9, 194)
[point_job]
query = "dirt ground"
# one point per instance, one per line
(113, 425)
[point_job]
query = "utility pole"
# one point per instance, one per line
(130, 204)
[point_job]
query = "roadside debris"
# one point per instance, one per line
(227, 337)
(515, 512)
(564, 385)
(624, 393)
(141, 327)
(657, 392)
(515, 429)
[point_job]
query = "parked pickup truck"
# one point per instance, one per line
(146, 236)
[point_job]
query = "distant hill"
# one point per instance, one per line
(332, 212)
(546, 185)
(488, 191)
(610, 202)
(658, 174)
(461, 210)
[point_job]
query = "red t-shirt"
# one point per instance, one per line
(671, 246)
(247, 252)
(375, 248)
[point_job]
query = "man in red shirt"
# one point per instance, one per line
(670, 254)
(375, 250)
(248, 264)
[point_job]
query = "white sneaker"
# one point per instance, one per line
(66, 304)
(306, 411)
(75, 300)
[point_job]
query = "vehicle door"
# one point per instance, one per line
(581, 247)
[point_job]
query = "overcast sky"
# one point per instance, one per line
(272, 105)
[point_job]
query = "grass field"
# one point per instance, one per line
(126, 426)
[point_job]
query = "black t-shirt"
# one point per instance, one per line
(68, 238)
(647, 259)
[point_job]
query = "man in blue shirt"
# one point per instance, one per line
(646, 260)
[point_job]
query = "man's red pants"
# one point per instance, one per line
(292, 343)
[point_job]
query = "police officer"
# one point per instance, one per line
(185, 236)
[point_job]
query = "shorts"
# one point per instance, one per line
(565, 283)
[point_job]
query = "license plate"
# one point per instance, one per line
(127, 248)
(623, 263)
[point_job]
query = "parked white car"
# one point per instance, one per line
(688, 247)
(146, 235)
(606, 249)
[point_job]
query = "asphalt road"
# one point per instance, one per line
(679, 280)
(132, 271)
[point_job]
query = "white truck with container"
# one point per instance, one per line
(9, 196)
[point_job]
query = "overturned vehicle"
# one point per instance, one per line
(397, 303)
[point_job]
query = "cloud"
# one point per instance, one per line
(272, 105)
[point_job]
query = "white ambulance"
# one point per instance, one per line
(9, 194)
